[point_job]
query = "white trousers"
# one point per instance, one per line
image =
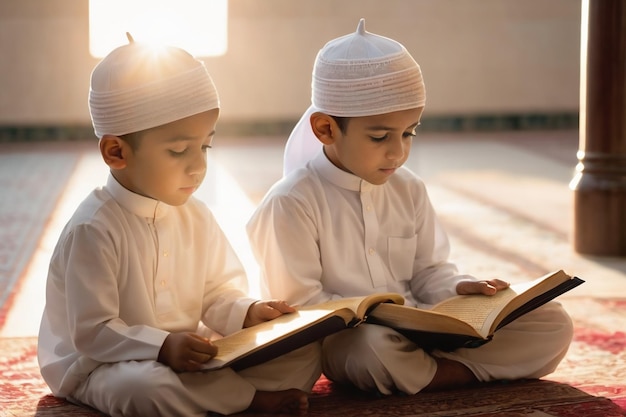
(149, 388)
(377, 358)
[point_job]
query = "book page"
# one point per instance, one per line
(477, 315)
(252, 338)
(359, 305)
(351, 303)
(483, 312)
(476, 309)
(416, 319)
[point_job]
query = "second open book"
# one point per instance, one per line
(461, 321)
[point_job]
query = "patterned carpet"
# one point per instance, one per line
(29, 191)
(591, 382)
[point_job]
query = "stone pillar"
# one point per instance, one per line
(600, 181)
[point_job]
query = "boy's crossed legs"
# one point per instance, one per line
(139, 388)
(377, 358)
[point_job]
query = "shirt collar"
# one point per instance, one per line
(135, 203)
(337, 176)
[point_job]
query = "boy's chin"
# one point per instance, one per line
(179, 201)
(378, 180)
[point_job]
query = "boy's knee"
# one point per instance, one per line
(363, 347)
(373, 358)
(366, 340)
(567, 323)
(133, 377)
(138, 389)
(556, 315)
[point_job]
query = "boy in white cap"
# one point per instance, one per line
(142, 266)
(348, 219)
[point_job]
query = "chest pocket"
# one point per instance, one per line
(401, 256)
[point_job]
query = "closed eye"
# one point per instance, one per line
(379, 139)
(178, 153)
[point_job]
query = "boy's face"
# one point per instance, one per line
(170, 161)
(373, 147)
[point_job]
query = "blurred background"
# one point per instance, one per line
(497, 145)
(488, 64)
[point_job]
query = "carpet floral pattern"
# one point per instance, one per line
(590, 382)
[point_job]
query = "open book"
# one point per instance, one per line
(465, 320)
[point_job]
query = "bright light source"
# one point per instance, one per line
(198, 26)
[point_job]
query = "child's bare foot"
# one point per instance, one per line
(292, 401)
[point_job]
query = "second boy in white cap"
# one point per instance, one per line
(349, 220)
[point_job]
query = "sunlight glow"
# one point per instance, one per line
(285, 324)
(198, 26)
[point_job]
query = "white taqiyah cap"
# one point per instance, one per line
(363, 74)
(356, 75)
(140, 86)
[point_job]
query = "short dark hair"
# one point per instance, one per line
(342, 122)
(133, 139)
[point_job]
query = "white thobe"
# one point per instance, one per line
(128, 270)
(322, 233)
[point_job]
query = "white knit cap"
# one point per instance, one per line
(363, 74)
(139, 86)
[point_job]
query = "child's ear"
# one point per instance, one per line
(113, 150)
(324, 127)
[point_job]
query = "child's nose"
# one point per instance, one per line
(198, 164)
(396, 149)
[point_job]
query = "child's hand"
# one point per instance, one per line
(266, 310)
(489, 287)
(186, 351)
